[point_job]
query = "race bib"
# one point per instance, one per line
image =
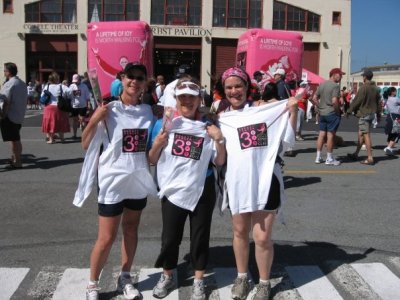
(254, 135)
(134, 140)
(188, 146)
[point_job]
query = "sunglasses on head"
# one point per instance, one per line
(137, 78)
(188, 84)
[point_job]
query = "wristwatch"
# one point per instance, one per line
(221, 141)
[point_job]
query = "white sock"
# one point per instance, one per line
(318, 154)
(265, 282)
(329, 156)
(242, 275)
(125, 274)
(95, 282)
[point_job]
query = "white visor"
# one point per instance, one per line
(187, 91)
(187, 88)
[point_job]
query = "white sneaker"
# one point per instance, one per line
(363, 147)
(319, 160)
(92, 292)
(125, 286)
(332, 162)
(389, 151)
(163, 287)
(198, 291)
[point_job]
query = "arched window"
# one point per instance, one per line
(113, 10)
(50, 11)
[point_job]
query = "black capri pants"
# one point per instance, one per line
(174, 219)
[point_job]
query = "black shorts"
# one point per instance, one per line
(274, 197)
(79, 112)
(10, 131)
(112, 210)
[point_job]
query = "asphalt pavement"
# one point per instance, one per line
(341, 225)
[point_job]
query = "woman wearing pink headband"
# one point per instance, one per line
(249, 211)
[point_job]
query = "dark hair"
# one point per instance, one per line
(119, 75)
(54, 78)
(391, 90)
(11, 67)
(270, 91)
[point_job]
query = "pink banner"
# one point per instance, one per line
(269, 50)
(111, 45)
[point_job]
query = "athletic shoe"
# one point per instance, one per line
(332, 162)
(389, 151)
(363, 147)
(319, 160)
(263, 292)
(92, 292)
(125, 286)
(299, 138)
(240, 288)
(163, 287)
(198, 291)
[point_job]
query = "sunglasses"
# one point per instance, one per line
(188, 84)
(137, 78)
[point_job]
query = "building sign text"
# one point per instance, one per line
(181, 31)
(50, 27)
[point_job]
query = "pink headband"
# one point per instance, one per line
(235, 71)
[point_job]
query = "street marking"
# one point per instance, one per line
(72, 284)
(350, 281)
(10, 279)
(380, 278)
(148, 279)
(396, 262)
(312, 284)
(329, 172)
(46, 282)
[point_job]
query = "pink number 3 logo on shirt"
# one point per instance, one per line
(188, 146)
(254, 135)
(134, 140)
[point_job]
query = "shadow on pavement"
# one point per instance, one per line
(32, 162)
(291, 181)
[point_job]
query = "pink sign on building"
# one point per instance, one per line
(111, 45)
(268, 50)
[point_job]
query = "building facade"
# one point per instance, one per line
(42, 36)
(384, 76)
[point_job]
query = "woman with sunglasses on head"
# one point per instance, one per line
(183, 153)
(255, 136)
(121, 130)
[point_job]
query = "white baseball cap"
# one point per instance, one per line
(280, 71)
(75, 78)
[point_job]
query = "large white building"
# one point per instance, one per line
(42, 36)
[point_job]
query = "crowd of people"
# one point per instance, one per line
(200, 155)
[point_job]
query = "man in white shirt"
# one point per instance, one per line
(160, 86)
(79, 94)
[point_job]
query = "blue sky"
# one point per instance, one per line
(374, 33)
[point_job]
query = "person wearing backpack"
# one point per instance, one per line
(79, 95)
(54, 120)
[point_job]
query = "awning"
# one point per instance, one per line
(311, 77)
